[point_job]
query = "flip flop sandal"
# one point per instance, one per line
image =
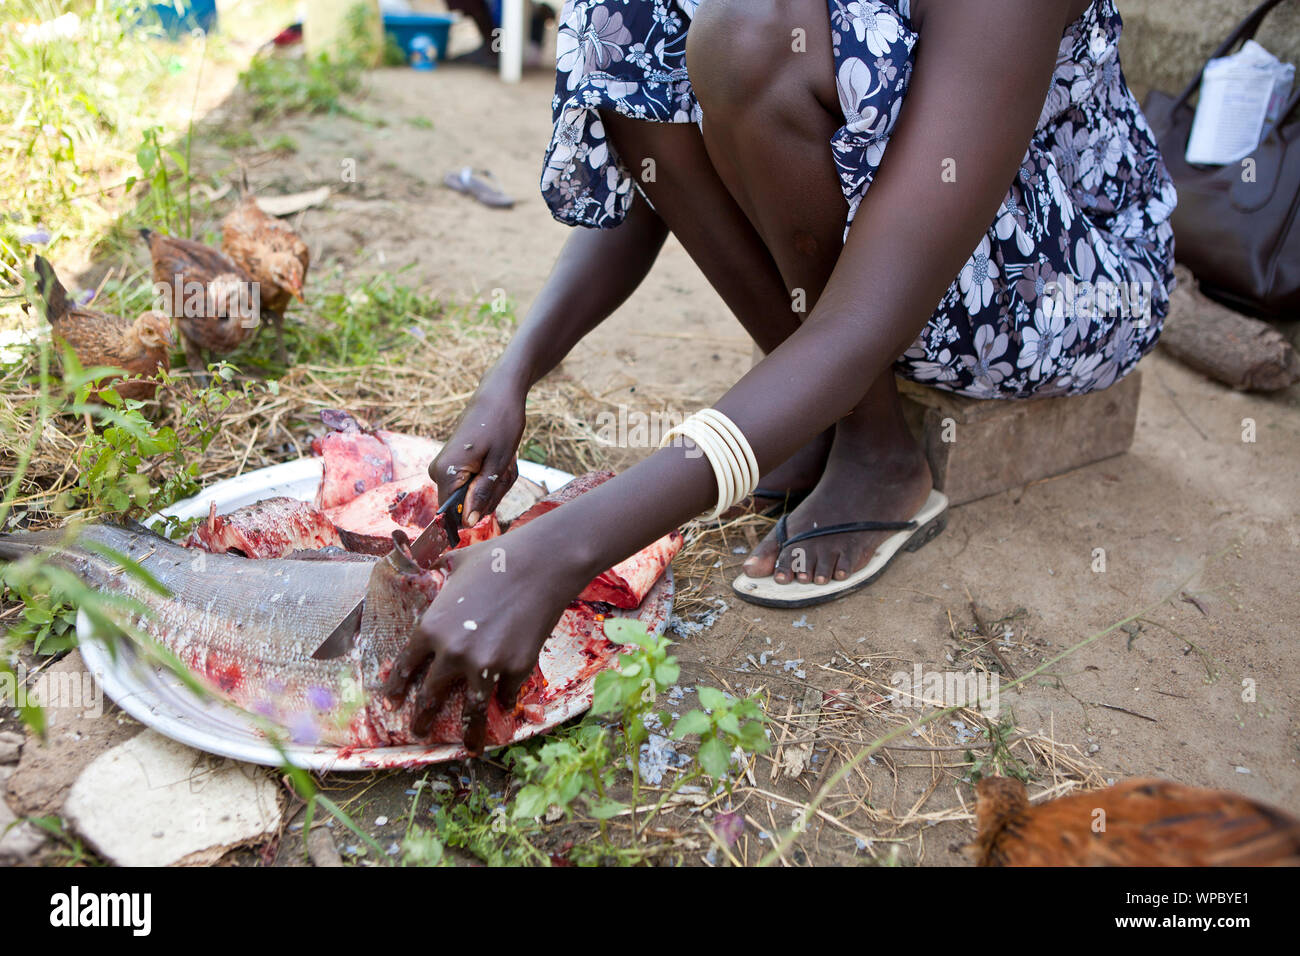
(481, 185)
(912, 535)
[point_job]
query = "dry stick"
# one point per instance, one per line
(992, 640)
(879, 742)
(1125, 710)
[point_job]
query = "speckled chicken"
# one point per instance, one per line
(1141, 822)
(140, 347)
(272, 253)
(215, 302)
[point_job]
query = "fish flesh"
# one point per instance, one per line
(247, 627)
(367, 522)
(270, 528)
(626, 584)
(356, 461)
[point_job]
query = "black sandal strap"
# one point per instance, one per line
(849, 528)
(782, 535)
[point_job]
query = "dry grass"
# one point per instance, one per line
(421, 389)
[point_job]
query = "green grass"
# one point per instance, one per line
(280, 85)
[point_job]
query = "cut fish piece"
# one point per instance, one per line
(353, 463)
(356, 460)
(626, 584)
(271, 528)
(366, 524)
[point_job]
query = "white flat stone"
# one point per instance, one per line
(16, 842)
(154, 802)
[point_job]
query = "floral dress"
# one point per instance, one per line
(1065, 292)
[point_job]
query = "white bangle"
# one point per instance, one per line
(715, 450)
(735, 467)
(739, 446)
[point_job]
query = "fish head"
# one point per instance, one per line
(399, 593)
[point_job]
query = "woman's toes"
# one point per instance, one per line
(762, 561)
(825, 567)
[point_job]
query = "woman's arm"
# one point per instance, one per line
(596, 271)
(981, 75)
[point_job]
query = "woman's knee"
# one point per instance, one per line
(741, 53)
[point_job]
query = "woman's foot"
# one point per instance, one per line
(861, 482)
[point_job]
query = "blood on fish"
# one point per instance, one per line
(226, 675)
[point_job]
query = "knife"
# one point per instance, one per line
(452, 511)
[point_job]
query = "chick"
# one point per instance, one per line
(216, 304)
(272, 253)
(1141, 822)
(139, 348)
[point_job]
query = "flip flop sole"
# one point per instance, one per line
(765, 592)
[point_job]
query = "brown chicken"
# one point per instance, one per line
(140, 348)
(1141, 822)
(272, 253)
(215, 302)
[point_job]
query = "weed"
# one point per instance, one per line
(71, 850)
(998, 760)
(577, 770)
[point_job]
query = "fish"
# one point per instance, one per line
(367, 522)
(1140, 822)
(246, 629)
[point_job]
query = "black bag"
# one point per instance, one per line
(1240, 237)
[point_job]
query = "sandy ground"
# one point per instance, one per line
(1191, 510)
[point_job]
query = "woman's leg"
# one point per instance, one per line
(691, 199)
(765, 77)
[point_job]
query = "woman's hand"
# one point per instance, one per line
(469, 632)
(482, 448)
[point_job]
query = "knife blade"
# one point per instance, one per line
(340, 640)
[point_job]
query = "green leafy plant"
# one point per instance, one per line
(132, 467)
(723, 724)
(575, 768)
(166, 171)
(316, 84)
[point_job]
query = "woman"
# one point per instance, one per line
(772, 139)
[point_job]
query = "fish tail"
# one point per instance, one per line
(15, 547)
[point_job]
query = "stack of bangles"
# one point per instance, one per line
(725, 446)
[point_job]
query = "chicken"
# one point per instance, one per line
(272, 253)
(1141, 822)
(215, 303)
(140, 348)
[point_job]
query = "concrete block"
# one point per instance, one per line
(981, 448)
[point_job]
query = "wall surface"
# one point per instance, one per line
(1166, 41)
